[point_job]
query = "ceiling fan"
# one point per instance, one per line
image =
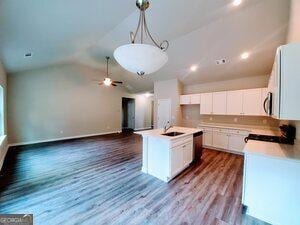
(107, 81)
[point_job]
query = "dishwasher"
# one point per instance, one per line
(198, 149)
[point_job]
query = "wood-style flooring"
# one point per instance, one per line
(99, 181)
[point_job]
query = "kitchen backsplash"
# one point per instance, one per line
(191, 118)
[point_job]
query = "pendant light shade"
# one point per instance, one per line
(140, 59)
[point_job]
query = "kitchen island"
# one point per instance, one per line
(165, 155)
(272, 182)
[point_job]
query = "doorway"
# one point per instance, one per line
(128, 114)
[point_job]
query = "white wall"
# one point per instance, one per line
(3, 144)
(63, 101)
(191, 113)
(294, 25)
(236, 84)
(169, 89)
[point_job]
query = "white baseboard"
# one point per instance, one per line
(61, 139)
(144, 128)
(223, 150)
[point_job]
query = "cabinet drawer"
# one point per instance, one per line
(239, 132)
(181, 141)
(220, 130)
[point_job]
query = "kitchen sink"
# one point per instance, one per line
(173, 134)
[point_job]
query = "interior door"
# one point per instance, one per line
(163, 112)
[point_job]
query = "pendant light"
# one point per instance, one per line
(142, 58)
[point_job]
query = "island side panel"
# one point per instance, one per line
(145, 155)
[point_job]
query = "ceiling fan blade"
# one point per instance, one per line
(114, 85)
(100, 83)
(118, 82)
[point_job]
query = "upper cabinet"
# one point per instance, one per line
(234, 103)
(219, 101)
(252, 102)
(206, 106)
(193, 99)
(185, 99)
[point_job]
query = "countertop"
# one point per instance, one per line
(275, 150)
(268, 149)
(158, 132)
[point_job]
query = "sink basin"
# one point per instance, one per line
(173, 134)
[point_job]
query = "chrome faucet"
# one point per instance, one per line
(166, 127)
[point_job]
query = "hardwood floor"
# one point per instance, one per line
(98, 181)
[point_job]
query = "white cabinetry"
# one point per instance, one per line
(235, 103)
(252, 102)
(224, 138)
(219, 103)
(167, 158)
(207, 137)
(185, 99)
(206, 106)
(236, 140)
(220, 138)
(195, 99)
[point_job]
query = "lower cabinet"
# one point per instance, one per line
(181, 157)
(207, 137)
(227, 139)
(220, 138)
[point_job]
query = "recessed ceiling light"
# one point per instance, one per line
(237, 2)
(148, 95)
(194, 68)
(245, 55)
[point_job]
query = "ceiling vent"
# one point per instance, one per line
(28, 55)
(221, 61)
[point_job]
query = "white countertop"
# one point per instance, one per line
(269, 149)
(158, 132)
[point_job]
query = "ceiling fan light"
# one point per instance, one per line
(141, 59)
(107, 81)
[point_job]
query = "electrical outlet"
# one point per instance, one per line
(61, 132)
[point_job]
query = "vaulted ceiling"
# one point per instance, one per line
(199, 32)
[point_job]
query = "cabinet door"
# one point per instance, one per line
(220, 140)
(264, 95)
(187, 153)
(236, 142)
(207, 138)
(206, 106)
(176, 160)
(219, 103)
(185, 99)
(195, 99)
(252, 102)
(234, 103)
